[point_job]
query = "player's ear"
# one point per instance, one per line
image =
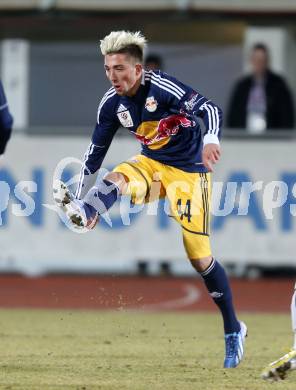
(139, 68)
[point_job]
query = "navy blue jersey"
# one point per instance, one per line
(163, 116)
(5, 121)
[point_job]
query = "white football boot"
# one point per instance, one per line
(81, 215)
(279, 369)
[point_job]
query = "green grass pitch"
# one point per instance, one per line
(42, 349)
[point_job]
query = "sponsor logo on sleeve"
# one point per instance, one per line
(189, 104)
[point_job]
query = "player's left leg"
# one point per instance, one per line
(279, 369)
(189, 196)
(217, 283)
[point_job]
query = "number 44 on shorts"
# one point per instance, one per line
(184, 210)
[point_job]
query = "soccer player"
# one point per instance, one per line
(5, 121)
(279, 369)
(161, 112)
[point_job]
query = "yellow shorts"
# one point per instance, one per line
(188, 194)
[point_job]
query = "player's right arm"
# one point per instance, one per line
(6, 121)
(105, 129)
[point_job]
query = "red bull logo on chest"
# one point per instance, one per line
(154, 132)
(172, 124)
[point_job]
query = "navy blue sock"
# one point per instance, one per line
(101, 197)
(217, 284)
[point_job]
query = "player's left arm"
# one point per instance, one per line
(183, 99)
(198, 105)
(211, 155)
(211, 115)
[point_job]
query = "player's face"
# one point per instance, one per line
(124, 73)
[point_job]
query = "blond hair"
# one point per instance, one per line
(132, 43)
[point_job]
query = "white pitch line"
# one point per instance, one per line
(192, 295)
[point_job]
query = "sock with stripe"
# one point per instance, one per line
(218, 286)
(101, 197)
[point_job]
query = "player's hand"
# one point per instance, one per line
(210, 155)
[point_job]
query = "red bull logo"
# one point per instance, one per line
(171, 125)
(151, 104)
(166, 128)
(144, 140)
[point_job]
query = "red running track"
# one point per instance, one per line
(149, 294)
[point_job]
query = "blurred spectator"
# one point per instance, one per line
(153, 62)
(5, 120)
(261, 100)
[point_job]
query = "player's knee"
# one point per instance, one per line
(201, 264)
(118, 179)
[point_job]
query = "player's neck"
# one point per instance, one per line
(135, 88)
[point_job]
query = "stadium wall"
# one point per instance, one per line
(64, 74)
(254, 207)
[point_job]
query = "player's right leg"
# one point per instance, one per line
(133, 177)
(279, 369)
(84, 213)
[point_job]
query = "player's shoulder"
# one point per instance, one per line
(165, 83)
(161, 77)
(109, 98)
(108, 102)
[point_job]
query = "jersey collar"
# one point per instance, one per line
(143, 77)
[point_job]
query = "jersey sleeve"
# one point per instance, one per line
(184, 99)
(104, 131)
(6, 121)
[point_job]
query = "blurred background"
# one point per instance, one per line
(52, 72)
